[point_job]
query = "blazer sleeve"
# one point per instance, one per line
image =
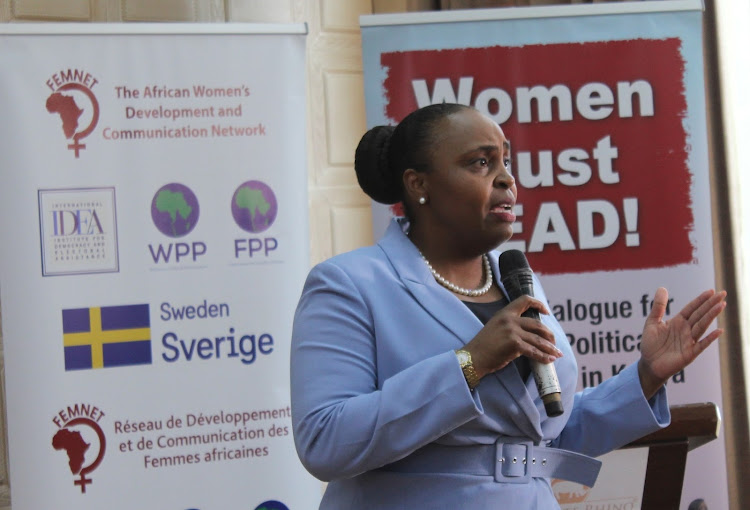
(345, 424)
(613, 414)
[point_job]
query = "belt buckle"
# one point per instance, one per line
(513, 461)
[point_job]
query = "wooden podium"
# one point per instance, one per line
(692, 425)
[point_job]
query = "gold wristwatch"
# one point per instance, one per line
(464, 359)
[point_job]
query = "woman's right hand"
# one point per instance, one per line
(507, 336)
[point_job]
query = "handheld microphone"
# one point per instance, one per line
(516, 277)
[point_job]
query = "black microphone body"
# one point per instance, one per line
(516, 276)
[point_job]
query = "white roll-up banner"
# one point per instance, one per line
(605, 109)
(153, 206)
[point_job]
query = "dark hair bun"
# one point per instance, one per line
(371, 163)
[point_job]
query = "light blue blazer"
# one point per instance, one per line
(374, 378)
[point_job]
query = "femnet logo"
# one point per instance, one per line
(74, 102)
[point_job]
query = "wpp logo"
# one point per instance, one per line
(175, 212)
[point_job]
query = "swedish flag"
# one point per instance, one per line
(107, 336)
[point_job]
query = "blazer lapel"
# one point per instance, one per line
(416, 276)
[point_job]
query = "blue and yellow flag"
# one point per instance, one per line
(107, 336)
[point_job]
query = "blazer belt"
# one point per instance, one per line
(508, 460)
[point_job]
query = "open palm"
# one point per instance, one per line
(669, 346)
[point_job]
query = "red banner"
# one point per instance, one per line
(600, 151)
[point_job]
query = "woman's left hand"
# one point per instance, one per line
(668, 347)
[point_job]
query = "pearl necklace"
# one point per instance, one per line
(460, 290)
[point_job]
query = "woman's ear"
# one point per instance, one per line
(415, 186)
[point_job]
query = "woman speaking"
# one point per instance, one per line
(410, 367)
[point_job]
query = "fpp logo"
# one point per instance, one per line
(78, 430)
(254, 208)
(74, 102)
(175, 211)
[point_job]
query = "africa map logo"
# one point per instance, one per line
(254, 206)
(175, 210)
(78, 430)
(75, 103)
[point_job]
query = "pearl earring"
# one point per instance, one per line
(422, 200)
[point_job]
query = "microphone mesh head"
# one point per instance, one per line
(515, 274)
(512, 260)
